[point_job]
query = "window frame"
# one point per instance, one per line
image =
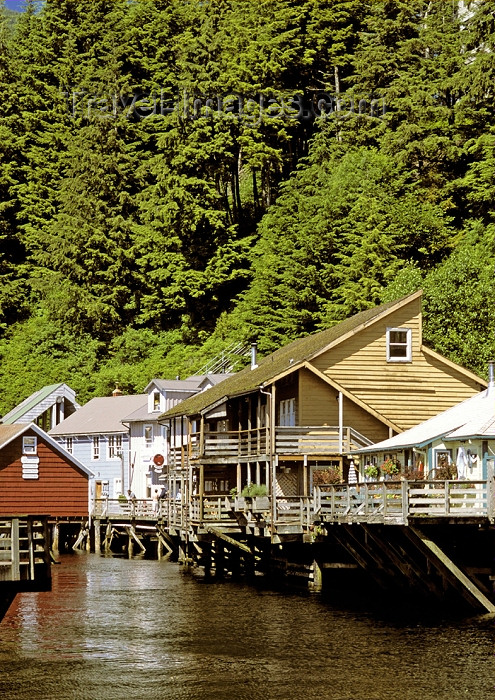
(33, 441)
(148, 442)
(95, 448)
(407, 344)
(114, 446)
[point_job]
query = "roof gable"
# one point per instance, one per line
(8, 433)
(287, 359)
(39, 397)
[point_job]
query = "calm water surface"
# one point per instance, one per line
(114, 629)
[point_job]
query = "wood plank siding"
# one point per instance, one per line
(406, 393)
(61, 490)
(318, 405)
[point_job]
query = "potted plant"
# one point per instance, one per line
(253, 497)
(371, 472)
(389, 468)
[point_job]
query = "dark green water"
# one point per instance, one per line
(114, 629)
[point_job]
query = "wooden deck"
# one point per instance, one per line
(388, 502)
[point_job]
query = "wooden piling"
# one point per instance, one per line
(107, 542)
(97, 536)
(55, 538)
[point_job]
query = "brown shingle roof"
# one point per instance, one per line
(281, 360)
(9, 431)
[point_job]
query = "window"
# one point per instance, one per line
(68, 444)
(156, 400)
(29, 445)
(96, 447)
(148, 436)
(114, 446)
(399, 347)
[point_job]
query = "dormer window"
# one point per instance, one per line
(156, 400)
(399, 345)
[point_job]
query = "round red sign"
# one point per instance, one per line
(158, 460)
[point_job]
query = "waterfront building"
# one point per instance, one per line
(148, 444)
(97, 436)
(458, 443)
(306, 407)
(38, 476)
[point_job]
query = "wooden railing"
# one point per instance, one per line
(25, 551)
(233, 443)
(386, 501)
(317, 440)
(139, 508)
(399, 500)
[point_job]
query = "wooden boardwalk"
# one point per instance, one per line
(387, 502)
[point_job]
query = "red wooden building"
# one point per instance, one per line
(37, 476)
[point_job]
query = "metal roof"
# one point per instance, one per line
(190, 384)
(141, 414)
(101, 415)
(32, 401)
(471, 418)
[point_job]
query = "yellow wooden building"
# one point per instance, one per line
(305, 407)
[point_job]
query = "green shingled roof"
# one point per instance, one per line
(281, 360)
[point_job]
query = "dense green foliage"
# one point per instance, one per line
(177, 177)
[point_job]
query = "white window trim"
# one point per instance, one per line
(29, 445)
(95, 448)
(114, 448)
(408, 357)
(148, 446)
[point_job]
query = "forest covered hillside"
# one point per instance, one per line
(176, 177)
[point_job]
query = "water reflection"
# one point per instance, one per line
(114, 629)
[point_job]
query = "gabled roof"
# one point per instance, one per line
(141, 414)
(8, 433)
(190, 384)
(101, 415)
(32, 401)
(286, 359)
(470, 418)
(213, 379)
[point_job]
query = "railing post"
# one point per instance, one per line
(446, 485)
(405, 500)
(384, 497)
(30, 538)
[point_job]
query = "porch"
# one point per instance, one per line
(253, 444)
